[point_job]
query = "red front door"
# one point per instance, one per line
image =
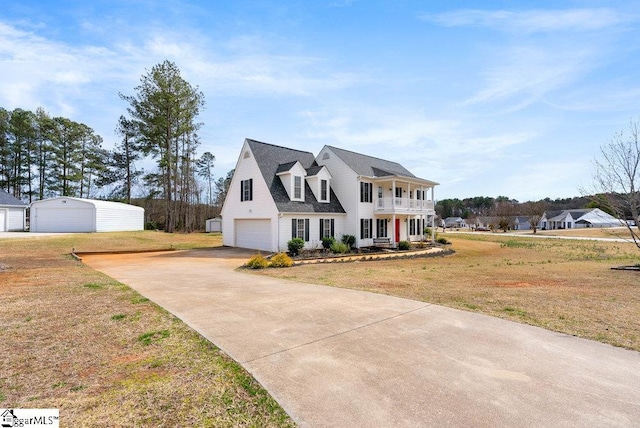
(397, 230)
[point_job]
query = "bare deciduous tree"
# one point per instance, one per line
(504, 212)
(534, 212)
(617, 178)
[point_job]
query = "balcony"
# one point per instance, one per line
(404, 206)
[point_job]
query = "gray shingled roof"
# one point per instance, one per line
(272, 159)
(575, 213)
(8, 199)
(369, 166)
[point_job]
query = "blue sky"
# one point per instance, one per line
(487, 98)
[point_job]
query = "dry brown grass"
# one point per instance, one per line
(561, 285)
(76, 340)
(595, 232)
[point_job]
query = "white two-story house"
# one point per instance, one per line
(278, 193)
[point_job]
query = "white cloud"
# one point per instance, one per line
(547, 178)
(534, 21)
(529, 72)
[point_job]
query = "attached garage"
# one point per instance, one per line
(66, 214)
(13, 217)
(253, 233)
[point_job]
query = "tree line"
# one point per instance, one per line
(486, 205)
(43, 156)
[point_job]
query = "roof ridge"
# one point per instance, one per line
(279, 147)
(362, 154)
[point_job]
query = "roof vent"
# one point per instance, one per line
(326, 156)
(247, 155)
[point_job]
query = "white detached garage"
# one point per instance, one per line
(67, 214)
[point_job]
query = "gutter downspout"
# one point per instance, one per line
(280, 215)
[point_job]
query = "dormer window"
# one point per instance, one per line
(324, 190)
(297, 187)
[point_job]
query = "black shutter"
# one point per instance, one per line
(306, 229)
(321, 228)
(241, 190)
(370, 227)
(370, 192)
(251, 189)
(361, 192)
(361, 228)
(332, 228)
(294, 228)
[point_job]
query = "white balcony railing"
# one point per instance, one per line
(404, 205)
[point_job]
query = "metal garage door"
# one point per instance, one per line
(3, 220)
(73, 219)
(254, 234)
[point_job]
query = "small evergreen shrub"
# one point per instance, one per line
(257, 262)
(404, 245)
(349, 240)
(295, 245)
(339, 247)
(281, 260)
(443, 241)
(327, 242)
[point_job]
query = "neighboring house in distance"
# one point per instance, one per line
(571, 219)
(486, 222)
(278, 193)
(454, 222)
(521, 223)
(13, 213)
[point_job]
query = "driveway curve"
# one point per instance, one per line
(342, 358)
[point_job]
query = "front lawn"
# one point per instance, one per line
(562, 285)
(76, 340)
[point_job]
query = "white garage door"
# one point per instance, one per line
(48, 219)
(3, 220)
(254, 234)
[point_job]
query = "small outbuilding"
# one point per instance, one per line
(13, 213)
(67, 214)
(213, 225)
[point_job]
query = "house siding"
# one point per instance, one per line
(260, 207)
(285, 228)
(348, 194)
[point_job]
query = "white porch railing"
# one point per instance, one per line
(404, 205)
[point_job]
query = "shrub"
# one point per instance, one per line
(339, 247)
(281, 260)
(257, 262)
(443, 241)
(327, 242)
(349, 240)
(404, 245)
(295, 245)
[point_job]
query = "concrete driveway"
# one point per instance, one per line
(342, 358)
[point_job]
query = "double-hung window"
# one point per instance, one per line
(297, 187)
(327, 227)
(246, 190)
(381, 226)
(366, 226)
(300, 228)
(324, 190)
(366, 192)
